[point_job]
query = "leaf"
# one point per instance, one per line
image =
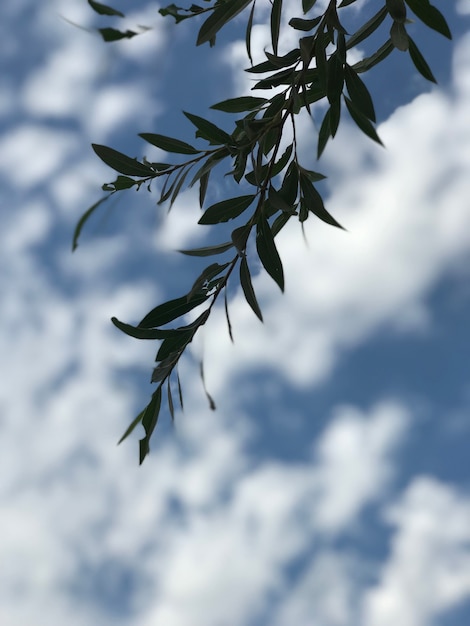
(83, 220)
(222, 14)
(229, 325)
(209, 131)
(314, 177)
(143, 333)
(149, 421)
(278, 202)
(102, 9)
(276, 11)
(267, 252)
(430, 16)
(274, 62)
(168, 311)
(210, 272)
(335, 78)
(131, 426)
(240, 237)
(367, 29)
(300, 24)
(249, 27)
(171, 407)
(211, 162)
(378, 56)
(169, 144)
(208, 395)
(359, 93)
(226, 210)
(122, 163)
(111, 34)
(121, 183)
(324, 134)
(247, 286)
(420, 62)
(397, 10)
(208, 250)
(307, 5)
(239, 105)
(174, 344)
(399, 36)
(314, 202)
(362, 122)
(260, 175)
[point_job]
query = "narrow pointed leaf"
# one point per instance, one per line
(149, 421)
(267, 252)
(369, 62)
(209, 131)
(83, 220)
(103, 9)
(420, 62)
(169, 144)
(226, 210)
(247, 286)
(367, 29)
(221, 15)
(168, 311)
(111, 34)
(359, 93)
(239, 105)
(362, 122)
(209, 250)
(249, 26)
(430, 16)
(276, 11)
(314, 202)
(227, 317)
(121, 162)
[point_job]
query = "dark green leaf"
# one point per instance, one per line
(335, 78)
(203, 184)
(259, 177)
(307, 5)
(222, 14)
(420, 62)
(180, 391)
(229, 325)
(313, 177)
(359, 93)
(131, 426)
(300, 24)
(149, 421)
(143, 333)
(168, 311)
(209, 250)
(211, 162)
(122, 163)
(314, 202)
(284, 77)
(249, 27)
(239, 105)
(240, 237)
(369, 62)
(205, 277)
(279, 223)
(290, 184)
(399, 36)
(226, 210)
(275, 62)
(324, 134)
(111, 34)
(431, 16)
(367, 29)
(278, 202)
(267, 252)
(276, 11)
(397, 10)
(247, 286)
(361, 121)
(102, 9)
(173, 344)
(209, 131)
(164, 368)
(169, 144)
(121, 182)
(208, 395)
(171, 407)
(83, 219)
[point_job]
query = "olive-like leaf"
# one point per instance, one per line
(149, 421)
(239, 105)
(367, 29)
(210, 272)
(111, 34)
(307, 5)
(362, 121)
(276, 11)
(378, 56)
(399, 36)
(84, 218)
(103, 9)
(222, 14)
(169, 144)
(168, 311)
(209, 250)
(314, 202)
(121, 162)
(143, 333)
(267, 252)
(247, 286)
(174, 343)
(359, 93)
(226, 210)
(300, 24)
(420, 62)
(430, 16)
(207, 130)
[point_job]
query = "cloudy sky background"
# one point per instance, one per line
(331, 486)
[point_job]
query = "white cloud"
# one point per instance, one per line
(428, 570)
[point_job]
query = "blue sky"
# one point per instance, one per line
(331, 486)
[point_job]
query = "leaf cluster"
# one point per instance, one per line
(275, 186)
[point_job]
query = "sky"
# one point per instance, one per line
(331, 485)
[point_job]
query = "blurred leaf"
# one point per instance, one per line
(209, 250)
(229, 325)
(149, 421)
(267, 252)
(102, 9)
(111, 34)
(143, 333)
(362, 122)
(174, 343)
(276, 10)
(430, 16)
(122, 163)
(247, 286)
(359, 93)
(81, 222)
(131, 426)
(300, 24)
(313, 177)
(121, 183)
(169, 144)
(226, 210)
(420, 62)
(171, 407)
(367, 29)
(168, 311)
(222, 14)
(249, 26)
(208, 395)
(239, 105)
(399, 36)
(209, 131)
(397, 10)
